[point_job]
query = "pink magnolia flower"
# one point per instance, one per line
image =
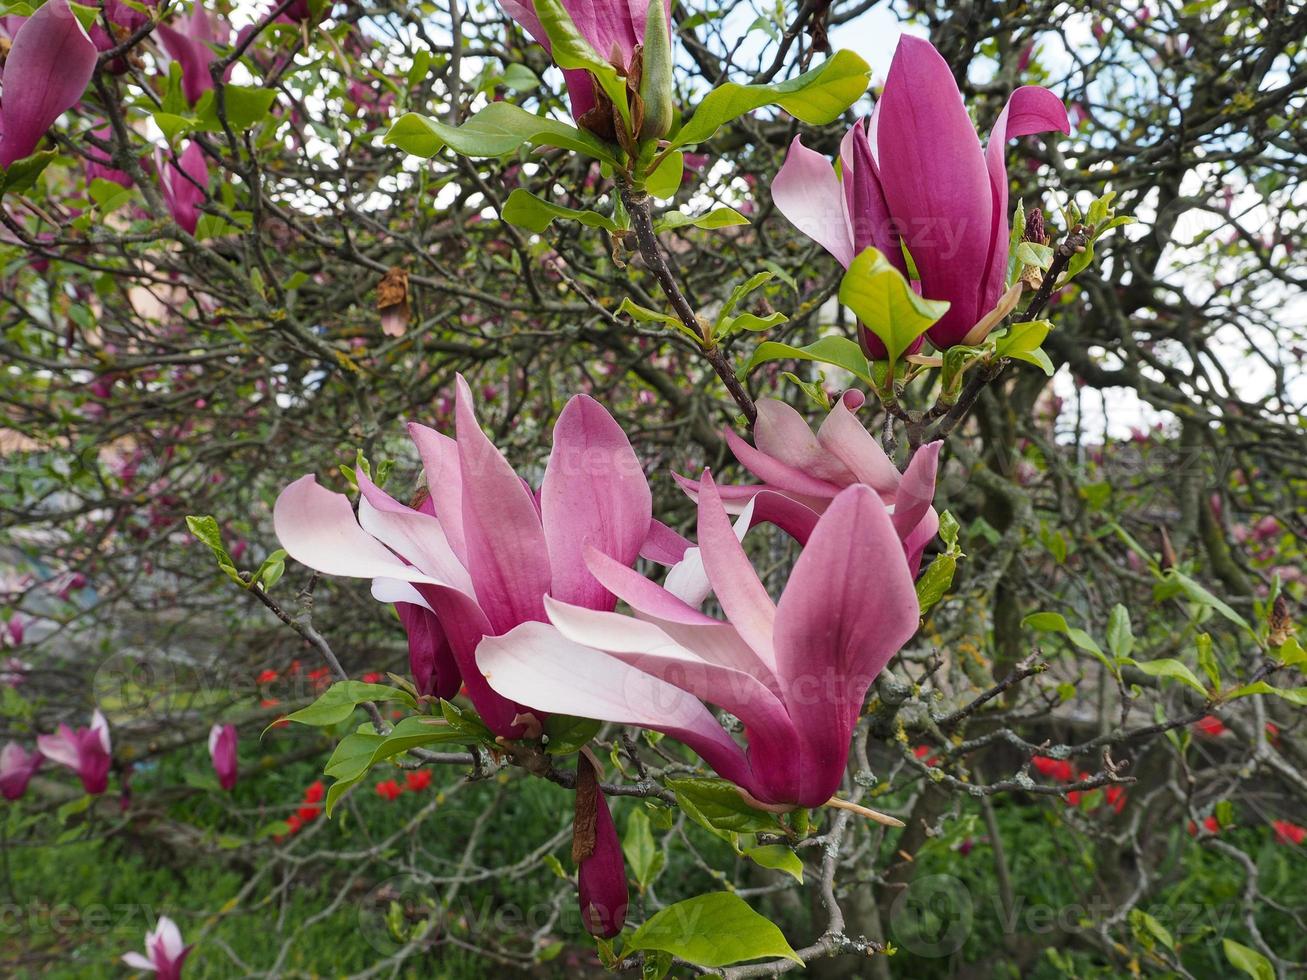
(600, 872)
(803, 472)
(48, 67)
(17, 767)
(99, 165)
(929, 185)
(86, 751)
(190, 41)
(164, 951)
(795, 673)
(482, 551)
(184, 187)
(614, 28)
(222, 749)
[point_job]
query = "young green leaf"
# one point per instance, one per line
(887, 306)
(712, 930)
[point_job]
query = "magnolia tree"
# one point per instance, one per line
(836, 501)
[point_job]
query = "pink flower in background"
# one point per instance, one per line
(46, 71)
(614, 28)
(190, 41)
(86, 751)
(795, 673)
(184, 187)
(928, 185)
(222, 749)
(100, 166)
(17, 767)
(164, 951)
(803, 472)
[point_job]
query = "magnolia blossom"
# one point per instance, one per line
(482, 553)
(222, 749)
(17, 767)
(86, 751)
(99, 165)
(190, 41)
(48, 66)
(184, 187)
(795, 673)
(164, 951)
(928, 185)
(803, 472)
(614, 28)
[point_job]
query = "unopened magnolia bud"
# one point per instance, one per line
(1035, 227)
(656, 90)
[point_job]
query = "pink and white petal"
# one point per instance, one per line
(536, 663)
(784, 434)
(663, 545)
(688, 579)
(170, 936)
(392, 590)
(836, 632)
(779, 474)
(444, 482)
(734, 582)
(807, 191)
(848, 439)
(916, 490)
(639, 593)
(100, 727)
(795, 518)
(916, 540)
(594, 495)
(417, 537)
(507, 556)
(60, 748)
(138, 962)
(642, 644)
(734, 497)
(318, 529)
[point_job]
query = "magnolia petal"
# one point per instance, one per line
(663, 545)
(639, 593)
(780, 475)
(138, 962)
(836, 632)
(688, 579)
(784, 434)
(848, 439)
(594, 495)
(808, 193)
(444, 482)
(418, 538)
(507, 556)
(60, 748)
(536, 663)
(46, 71)
(916, 490)
(318, 529)
(735, 584)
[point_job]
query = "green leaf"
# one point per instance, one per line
(716, 929)
(642, 854)
(358, 753)
(499, 128)
(665, 181)
(932, 585)
(206, 529)
(818, 97)
(1051, 622)
(1250, 961)
(718, 805)
(567, 734)
(244, 106)
(840, 351)
(646, 315)
(1148, 928)
(270, 571)
(778, 857)
(1032, 253)
(723, 217)
(1294, 695)
(1120, 637)
(466, 721)
(1207, 659)
(526, 210)
(108, 195)
(885, 303)
(172, 125)
(520, 78)
(1173, 669)
(22, 174)
(1175, 582)
(1022, 342)
(339, 701)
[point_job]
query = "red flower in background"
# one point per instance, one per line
(1210, 824)
(1058, 769)
(266, 677)
(373, 678)
(418, 780)
(388, 789)
(1289, 833)
(315, 792)
(924, 753)
(1115, 796)
(1211, 726)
